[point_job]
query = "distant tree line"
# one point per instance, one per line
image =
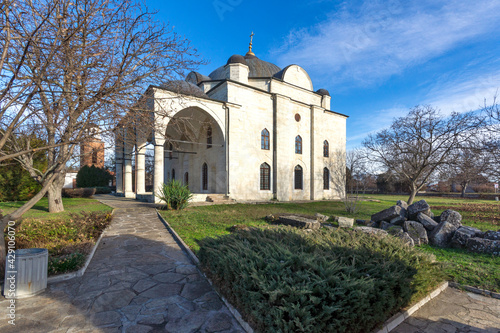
(426, 146)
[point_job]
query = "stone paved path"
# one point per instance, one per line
(138, 281)
(454, 311)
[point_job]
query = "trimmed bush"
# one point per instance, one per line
(92, 176)
(78, 192)
(286, 280)
(175, 195)
(102, 190)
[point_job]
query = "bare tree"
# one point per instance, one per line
(470, 161)
(416, 145)
(85, 64)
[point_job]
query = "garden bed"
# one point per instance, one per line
(68, 236)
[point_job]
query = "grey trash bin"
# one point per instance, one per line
(28, 276)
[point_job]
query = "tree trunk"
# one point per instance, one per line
(464, 187)
(413, 194)
(54, 194)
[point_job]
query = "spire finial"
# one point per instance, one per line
(250, 53)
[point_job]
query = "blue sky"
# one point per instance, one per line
(377, 58)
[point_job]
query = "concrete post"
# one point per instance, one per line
(119, 161)
(159, 176)
(140, 167)
(128, 168)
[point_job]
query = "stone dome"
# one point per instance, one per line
(184, 87)
(236, 58)
(323, 92)
(257, 67)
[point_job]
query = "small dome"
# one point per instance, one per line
(323, 92)
(183, 87)
(196, 78)
(236, 58)
(256, 67)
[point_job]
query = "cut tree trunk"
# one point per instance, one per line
(54, 194)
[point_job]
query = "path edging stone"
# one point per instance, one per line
(195, 259)
(401, 316)
(475, 290)
(81, 271)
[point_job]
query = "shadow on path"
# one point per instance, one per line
(138, 281)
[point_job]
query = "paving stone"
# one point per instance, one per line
(156, 319)
(106, 318)
(190, 323)
(219, 322)
(143, 285)
(194, 290)
(169, 277)
(139, 329)
(186, 269)
(113, 300)
(454, 311)
(131, 311)
(162, 290)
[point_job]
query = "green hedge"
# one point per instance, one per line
(286, 280)
(78, 192)
(92, 176)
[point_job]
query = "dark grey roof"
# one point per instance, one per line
(195, 77)
(183, 87)
(323, 92)
(236, 58)
(257, 68)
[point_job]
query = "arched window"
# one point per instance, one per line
(173, 174)
(209, 136)
(94, 156)
(298, 145)
(265, 176)
(326, 149)
(298, 177)
(326, 179)
(186, 179)
(264, 139)
(204, 177)
(170, 153)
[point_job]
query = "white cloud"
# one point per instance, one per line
(466, 93)
(377, 40)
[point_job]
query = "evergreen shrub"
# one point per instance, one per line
(174, 194)
(286, 280)
(92, 176)
(78, 192)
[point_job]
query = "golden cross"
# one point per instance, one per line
(250, 46)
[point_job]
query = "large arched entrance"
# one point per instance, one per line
(195, 144)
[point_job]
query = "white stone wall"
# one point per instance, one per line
(245, 153)
(250, 111)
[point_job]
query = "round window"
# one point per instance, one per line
(297, 117)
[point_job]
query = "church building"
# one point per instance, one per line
(248, 131)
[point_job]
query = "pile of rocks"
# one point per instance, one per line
(417, 225)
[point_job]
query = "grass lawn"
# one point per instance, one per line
(197, 223)
(71, 205)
